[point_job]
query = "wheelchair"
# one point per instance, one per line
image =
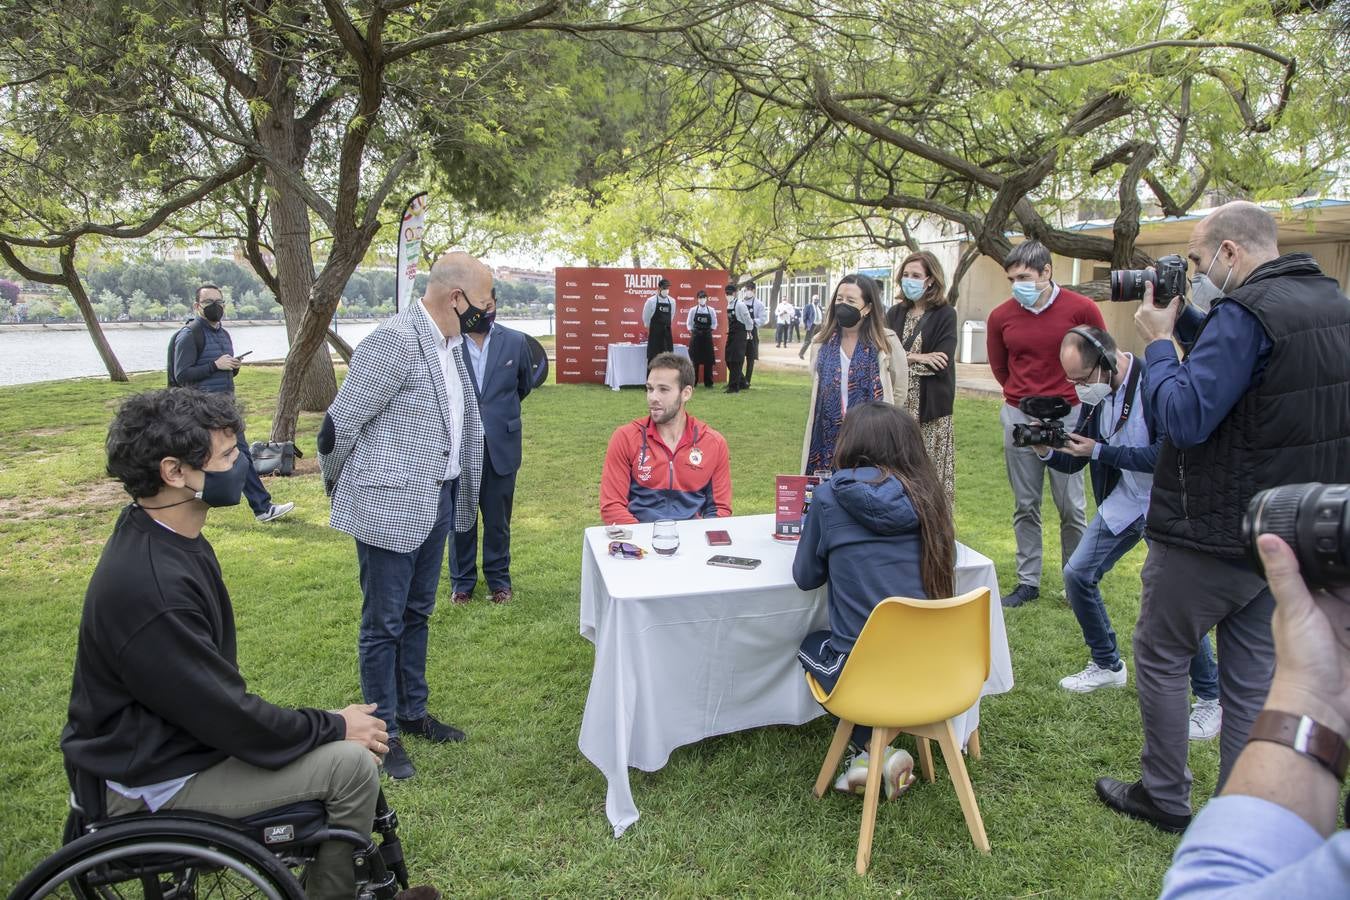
(184, 855)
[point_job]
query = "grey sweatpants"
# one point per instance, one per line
(1026, 474)
(342, 774)
(1186, 593)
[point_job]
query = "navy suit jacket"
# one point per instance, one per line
(507, 376)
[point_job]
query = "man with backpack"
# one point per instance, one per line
(201, 356)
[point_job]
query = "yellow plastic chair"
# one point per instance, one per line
(916, 664)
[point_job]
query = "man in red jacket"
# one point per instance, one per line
(667, 465)
(1024, 334)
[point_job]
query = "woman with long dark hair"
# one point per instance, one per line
(854, 359)
(926, 324)
(880, 527)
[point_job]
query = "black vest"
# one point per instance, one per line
(1291, 427)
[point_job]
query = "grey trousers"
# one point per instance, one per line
(342, 774)
(1186, 593)
(1026, 474)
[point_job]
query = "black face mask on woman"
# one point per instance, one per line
(847, 316)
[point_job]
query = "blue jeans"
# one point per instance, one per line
(1096, 554)
(259, 500)
(399, 591)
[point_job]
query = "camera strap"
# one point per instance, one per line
(1131, 388)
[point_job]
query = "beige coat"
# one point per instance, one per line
(894, 389)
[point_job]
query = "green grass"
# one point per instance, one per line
(517, 811)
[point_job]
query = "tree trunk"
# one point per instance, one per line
(295, 282)
(76, 288)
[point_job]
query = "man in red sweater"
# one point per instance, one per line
(667, 465)
(1024, 334)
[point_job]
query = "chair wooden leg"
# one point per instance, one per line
(973, 744)
(925, 758)
(832, 758)
(965, 792)
(876, 756)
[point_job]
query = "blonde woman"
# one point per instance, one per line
(854, 359)
(926, 324)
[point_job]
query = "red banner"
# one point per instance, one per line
(594, 308)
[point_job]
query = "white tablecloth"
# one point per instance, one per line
(627, 364)
(685, 651)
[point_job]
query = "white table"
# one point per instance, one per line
(685, 651)
(627, 364)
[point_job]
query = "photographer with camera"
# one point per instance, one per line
(1023, 339)
(1118, 437)
(1273, 832)
(1261, 399)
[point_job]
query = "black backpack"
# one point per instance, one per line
(194, 326)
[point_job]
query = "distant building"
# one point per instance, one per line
(192, 250)
(526, 276)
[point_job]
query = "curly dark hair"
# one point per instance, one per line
(172, 422)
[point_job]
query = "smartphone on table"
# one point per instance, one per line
(733, 562)
(718, 538)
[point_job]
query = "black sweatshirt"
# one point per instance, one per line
(157, 693)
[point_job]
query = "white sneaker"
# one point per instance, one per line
(1093, 677)
(853, 780)
(1206, 719)
(275, 512)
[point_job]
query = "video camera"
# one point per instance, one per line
(1314, 520)
(1048, 430)
(1168, 281)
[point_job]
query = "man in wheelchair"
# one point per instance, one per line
(160, 717)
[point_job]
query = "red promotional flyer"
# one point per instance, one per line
(598, 307)
(792, 505)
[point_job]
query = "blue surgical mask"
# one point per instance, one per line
(912, 287)
(1027, 292)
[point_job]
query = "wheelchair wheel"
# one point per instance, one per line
(160, 860)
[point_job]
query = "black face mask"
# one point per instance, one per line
(847, 316)
(213, 312)
(474, 320)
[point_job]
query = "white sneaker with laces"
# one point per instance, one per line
(853, 780)
(276, 511)
(1093, 677)
(897, 772)
(1206, 719)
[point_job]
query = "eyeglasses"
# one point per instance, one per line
(625, 550)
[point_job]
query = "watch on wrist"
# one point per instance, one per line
(1304, 735)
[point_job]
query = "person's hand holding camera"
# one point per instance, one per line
(1155, 323)
(1079, 445)
(1312, 641)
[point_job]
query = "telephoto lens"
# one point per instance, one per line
(1314, 520)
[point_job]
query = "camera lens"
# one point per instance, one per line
(1128, 284)
(1314, 520)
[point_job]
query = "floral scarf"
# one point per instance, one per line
(864, 385)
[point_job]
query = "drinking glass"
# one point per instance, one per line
(665, 537)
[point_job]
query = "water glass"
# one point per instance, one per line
(665, 537)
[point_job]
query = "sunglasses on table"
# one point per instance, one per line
(625, 550)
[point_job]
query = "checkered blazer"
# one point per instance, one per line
(391, 428)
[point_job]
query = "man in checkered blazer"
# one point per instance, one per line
(401, 452)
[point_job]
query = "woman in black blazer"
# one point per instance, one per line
(926, 324)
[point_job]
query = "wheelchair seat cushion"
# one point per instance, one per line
(295, 823)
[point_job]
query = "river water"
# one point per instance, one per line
(48, 354)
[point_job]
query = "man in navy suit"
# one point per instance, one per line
(502, 373)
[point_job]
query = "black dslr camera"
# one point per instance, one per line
(1048, 429)
(1314, 520)
(1168, 281)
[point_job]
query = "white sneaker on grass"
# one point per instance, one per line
(1093, 677)
(275, 511)
(1206, 719)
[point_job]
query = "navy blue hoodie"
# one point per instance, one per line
(863, 538)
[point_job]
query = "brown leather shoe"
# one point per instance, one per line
(501, 595)
(420, 892)
(459, 598)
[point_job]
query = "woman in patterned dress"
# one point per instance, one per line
(926, 324)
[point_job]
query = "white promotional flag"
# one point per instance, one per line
(409, 249)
